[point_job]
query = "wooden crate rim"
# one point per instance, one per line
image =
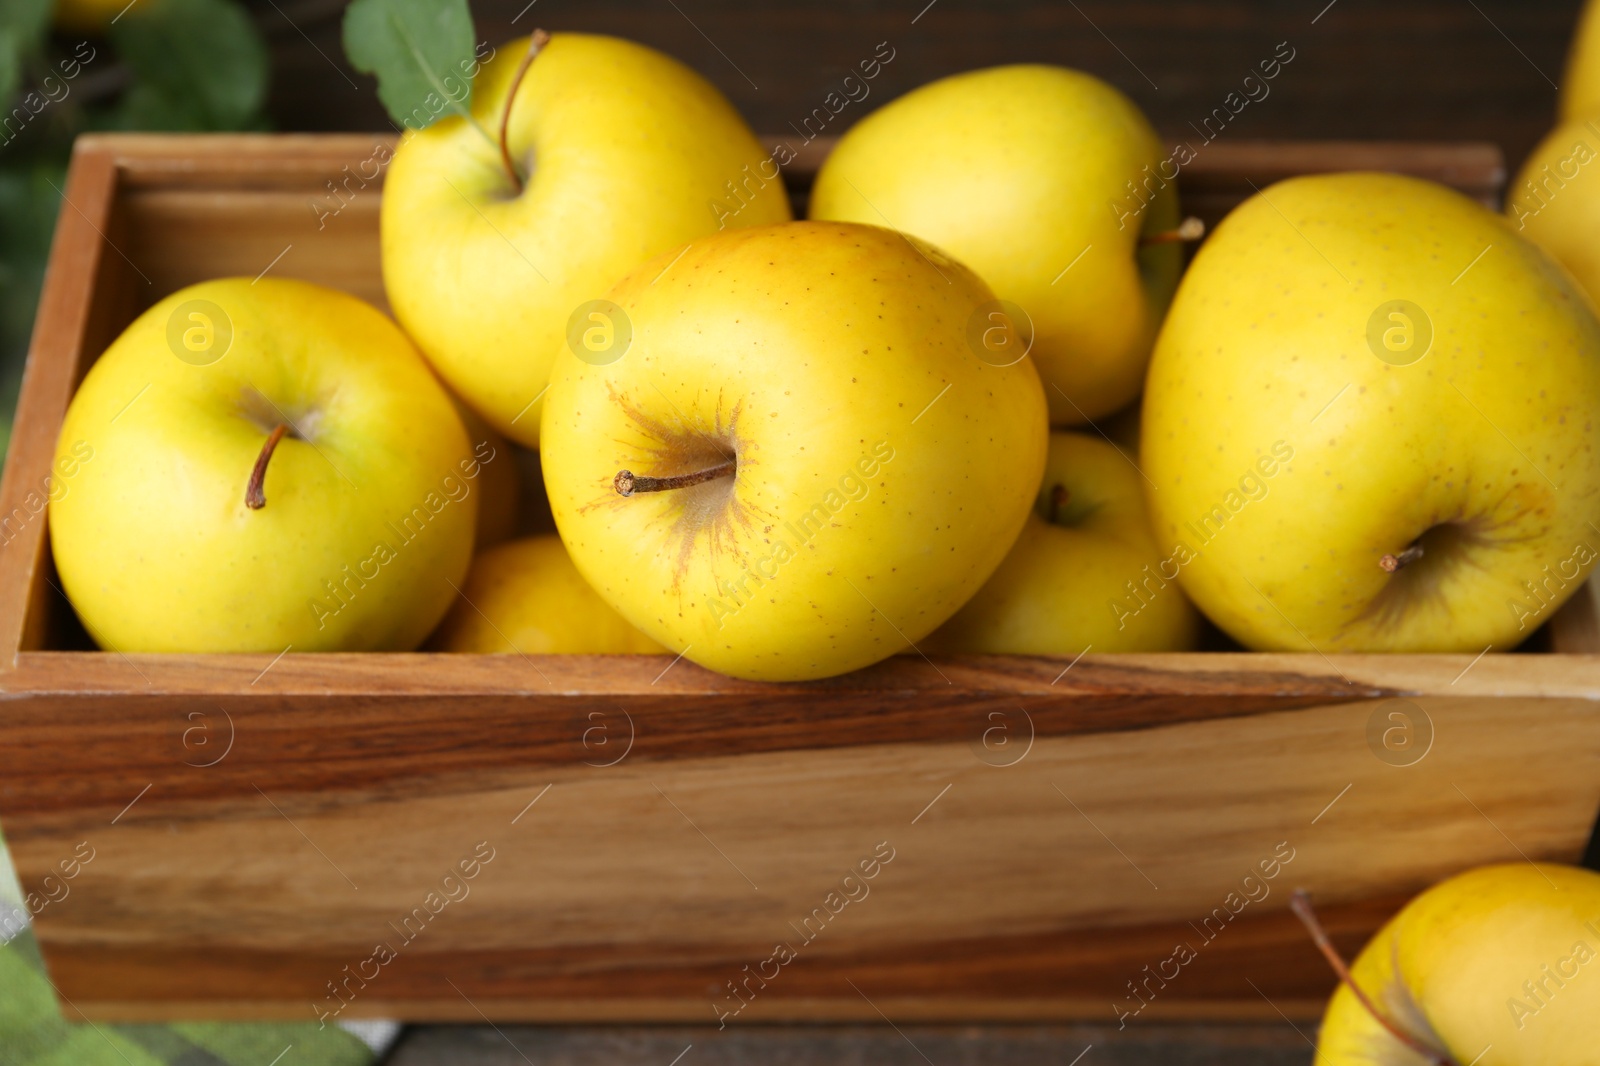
(148, 157)
(1267, 675)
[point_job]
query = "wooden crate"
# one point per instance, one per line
(259, 825)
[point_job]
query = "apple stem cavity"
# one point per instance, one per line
(255, 496)
(1300, 903)
(1391, 563)
(627, 482)
(535, 45)
(1190, 229)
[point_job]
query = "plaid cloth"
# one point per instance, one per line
(34, 1033)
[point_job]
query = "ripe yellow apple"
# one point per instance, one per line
(866, 468)
(626, 153)
(1555, 200)
(1499, 966)
(1042, 180)
(1580, 89)
(1370, 423)
(526, 596)
(1084, 573)
(364, 511)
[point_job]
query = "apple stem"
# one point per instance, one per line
(1300, 903)
(627, 482)
(1391, 563)
(255, 496)
(1190, 229)
(535, 45)
(1058, 499)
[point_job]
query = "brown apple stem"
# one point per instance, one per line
(627, 482)
(1190, 229)
(1058, 498)
(1391, 563)
(255, 496)
(1300, 903)
(535, 46)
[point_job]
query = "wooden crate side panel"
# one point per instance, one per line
(88, 730)
(77, 280)
(269, 233)
(1051, 879)
(306, 725)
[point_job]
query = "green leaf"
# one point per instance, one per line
(10, 67)
(148, 107)
(417, 49)
(197, 65)
(28, 19)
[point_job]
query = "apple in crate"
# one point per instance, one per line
(619, 153)
(262, 465)
(1579, 96)
(1084, 573)
(1054, 188)
(1371, 423)
(1555, 200)
(526, 597)
(806, 457)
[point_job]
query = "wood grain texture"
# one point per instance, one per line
(260, 823)
(1363, 69)
(635, 890)
(65, 326)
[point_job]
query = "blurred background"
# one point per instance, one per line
(1437, 70)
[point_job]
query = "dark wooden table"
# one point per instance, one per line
(1146, 1044)
(1484, 70)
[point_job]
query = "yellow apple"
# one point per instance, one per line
(526, 596)
(866, 462)
(1084, 573)
(1555, 200)
(1043, 180)
(1580, 92)
(1370, 423)
(181, 529)
(1499, 966)
(625, 152)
